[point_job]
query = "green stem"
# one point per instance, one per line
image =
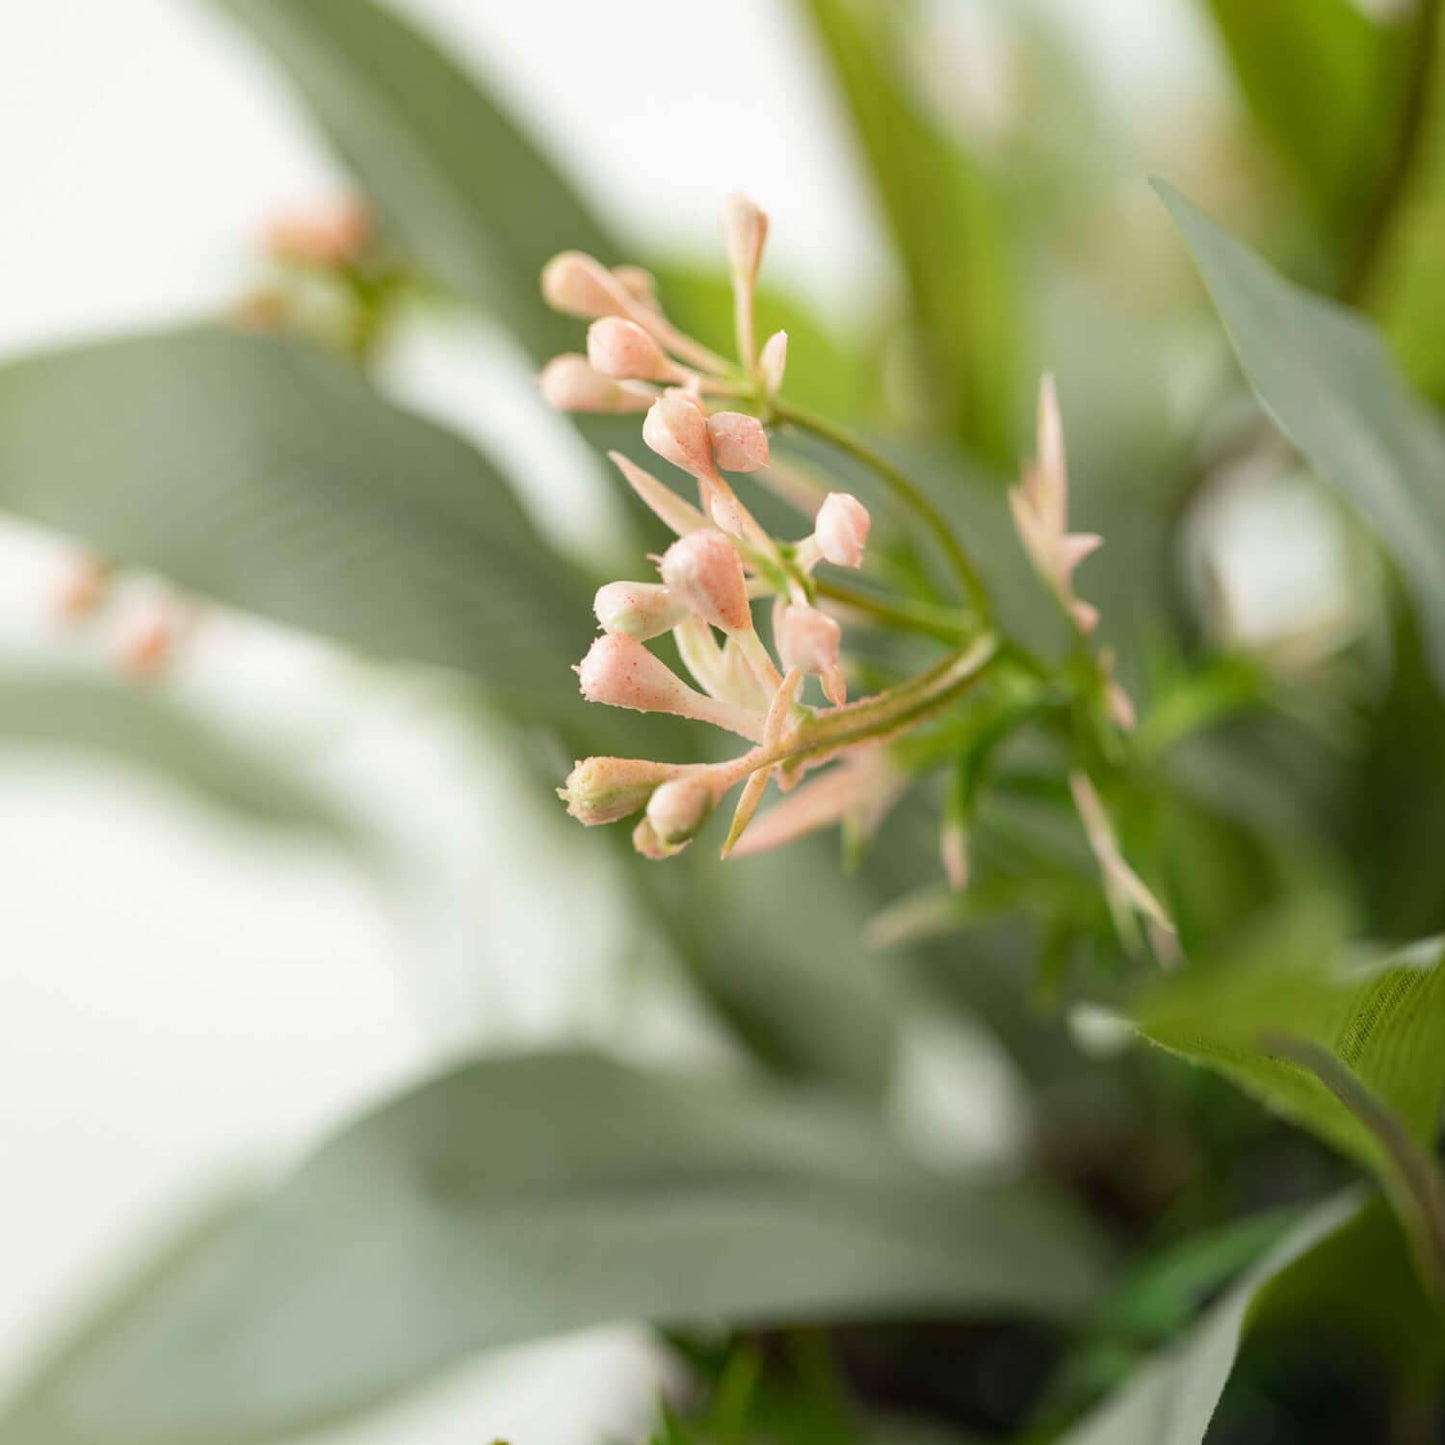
(905, 490)
(902, 613)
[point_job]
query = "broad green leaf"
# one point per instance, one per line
(145, 729)
(1172, 1400)
(1352, 1050)
(1324, 377)
(949, 222)
(474, 202)
(1318, 76)
(514, 1198)
(268, 477)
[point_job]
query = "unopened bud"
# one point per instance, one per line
(334, 236)
(676, 429)
(745, 229)
(809, 640)
(577, 285)
(649, 845)
(639, 283)
(740, 444)
(953, 849)
(678, 809)
(145, 640)
(640, 609)
(703, 570)
(773, 362)
(841, 529)
(571, 383)
(623, 350)
(602, 790)
(80, 588)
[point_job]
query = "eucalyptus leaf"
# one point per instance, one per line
(513, 1198)
(457, 181)
(1323, 375)
(266, 476)
(949, 221)
(1172, 1400)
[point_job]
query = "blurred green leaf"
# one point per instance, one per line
(1172, 1400)
(266, 476)
(136, 725)
(468, 194)
(1318, 77)
(513, 1198)
(949, 222)
(1354, 1051)
(1325, 379)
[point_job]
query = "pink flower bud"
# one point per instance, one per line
(773, 361)
(145, 640)
(332, 236)
(740, 444)
(619, 671)
(745, 229)
(703, 570)
(602, 790)
(623, 350)
(80, 588)
(570, 383)
(678, 809)
(809, 641)
(953, 849)
(640, 609)
(841, 529)
(639, 283)
(676, 429)
(577, 285)
(649, 845)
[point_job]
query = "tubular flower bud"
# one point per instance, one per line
(639, 283)
(703, 570)
(619, 671)
(678, 809)
(333, 236)
(571, 383)
(739, 441)
(602, 790)
(1040, 506)
(676, 429)
(577, 285)
(773, 362)
(745, 229)
(809, 641)
(622, 350)
(640, 609)
(841, 529)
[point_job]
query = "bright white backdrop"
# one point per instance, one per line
(177, 995)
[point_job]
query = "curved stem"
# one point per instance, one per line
(903, 613)
(905, 490)
(1376, 228)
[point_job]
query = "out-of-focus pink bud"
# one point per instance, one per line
(676, 429)
(809, 641)
(623, 350)
(773, 362)
(332, 236)
(678, 809)
(602, 790)
(640, 609)
(953, 849)
(619, 671)
(571, 383)
(675, 513)
(841, 529)
(145, 639)
(80, 588)
(740, 444)
(745, 229)
(639, 283)
(649, 845)
(703, 570)
(578, 285)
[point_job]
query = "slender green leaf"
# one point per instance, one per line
(948, 219)
(1324, 377)
(1172, 1400)
(470, 197)
(1317, 76)
(515, 1198)
(146, 729)
(268, 477)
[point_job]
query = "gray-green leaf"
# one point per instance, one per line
(514, 1198)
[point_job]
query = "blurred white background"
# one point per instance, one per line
(180, 998)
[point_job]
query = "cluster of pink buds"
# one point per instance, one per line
(722, 563)
(142, 632)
